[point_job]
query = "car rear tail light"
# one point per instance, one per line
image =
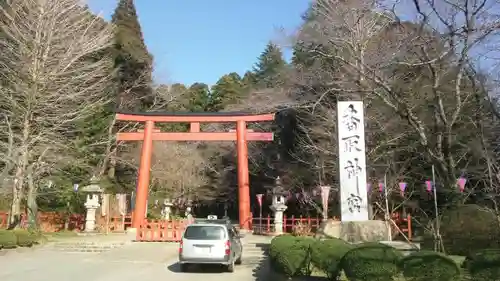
(180, 247)
(228, 247)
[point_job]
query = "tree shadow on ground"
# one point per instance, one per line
(262, 269)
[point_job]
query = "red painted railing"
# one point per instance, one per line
(310, 225)
(290, 224)
(171, 231)
(59, 221)
(161, 231)
(115, 224)
(404, 224)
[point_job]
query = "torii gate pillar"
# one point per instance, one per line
(243, 176)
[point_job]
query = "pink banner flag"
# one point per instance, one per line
(402, 187)
(259, 199)
(461, 183)
(428, 185)
(368, 186)
(381, 186)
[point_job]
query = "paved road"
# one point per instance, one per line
(137, 261)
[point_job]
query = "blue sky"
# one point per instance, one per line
(201, 40)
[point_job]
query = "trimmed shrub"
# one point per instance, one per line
(8, 239)
(291, 255)
(429, 266)
(326, 256)
(371, 262)
(467, 228)
(279, 244)
(483, 265)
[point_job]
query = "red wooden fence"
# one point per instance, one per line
(49, 221)
(404, 224)
(161, 231)
(171, 231)
(58, 221)
(310, 225)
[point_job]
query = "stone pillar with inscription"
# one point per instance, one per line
(352, 161)
(355, 225)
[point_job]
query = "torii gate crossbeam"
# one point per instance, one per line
(241, 135)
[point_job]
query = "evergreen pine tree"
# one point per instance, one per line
(248, 79)
(198, 97)
(227, 90)
(269, 67)
(132, 59)
(302, 56)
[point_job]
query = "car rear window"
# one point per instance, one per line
(205, 232)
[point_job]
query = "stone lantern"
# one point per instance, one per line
(167, 209)
(93, 191)
(278, 205)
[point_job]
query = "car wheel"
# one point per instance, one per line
(184, 267)
(230, 267)
(238, 261)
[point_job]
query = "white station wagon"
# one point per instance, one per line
(210, 241)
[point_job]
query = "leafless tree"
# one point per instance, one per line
(165, 98)
(53, 74)
(178, 171)
(418, 71)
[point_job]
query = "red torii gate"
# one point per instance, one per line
(241, 135)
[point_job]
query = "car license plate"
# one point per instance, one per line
(204, 250)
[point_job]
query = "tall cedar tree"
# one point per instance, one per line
(269, 67)
(197, 99)
(132, 59)
(227, 90)
(301, 50)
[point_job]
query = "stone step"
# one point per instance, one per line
(82, 246)
(257, 244)
(252, 261)
(254, 251)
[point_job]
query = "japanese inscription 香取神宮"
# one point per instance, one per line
(352, 161)
(354, 203)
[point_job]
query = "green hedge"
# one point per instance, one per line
(429, 266)
(298, 256)
(371, 262)
(8, 239)
(327, 254)
(291, 255)
(13, 238)
(465, 229)
(484, 265)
